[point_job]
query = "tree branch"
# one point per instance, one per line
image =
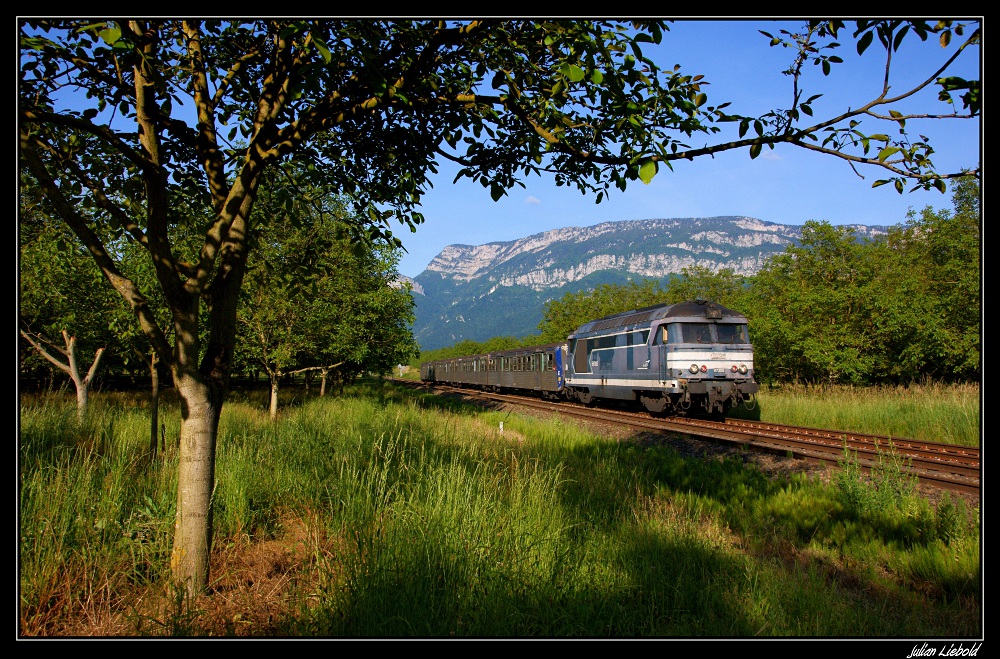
(44, 353)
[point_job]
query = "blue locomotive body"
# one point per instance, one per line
(691, 356)
(672, 358)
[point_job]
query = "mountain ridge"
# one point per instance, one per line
(472, 291)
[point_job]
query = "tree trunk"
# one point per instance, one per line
(273, 409)
(154, 404)
(151, 362)
(189, 560)
(82, 384)
(202, 390)
(82, 397)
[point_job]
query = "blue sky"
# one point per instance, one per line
(787, 185)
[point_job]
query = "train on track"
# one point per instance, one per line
(691, 357)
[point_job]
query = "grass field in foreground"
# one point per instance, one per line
(392, 513)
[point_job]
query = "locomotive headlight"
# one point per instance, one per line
(743, 369)
(734, 368)
(704, 368)
(693, 368)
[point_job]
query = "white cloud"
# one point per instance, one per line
(532, 200)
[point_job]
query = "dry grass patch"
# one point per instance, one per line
(258, 589)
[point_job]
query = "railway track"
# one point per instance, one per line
(944, 466)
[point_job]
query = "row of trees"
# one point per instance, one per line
(166, 130)
(316, 300)
(834, 308)
(894, 310)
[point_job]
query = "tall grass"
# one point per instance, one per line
(929, 411)
(95, 513)
(443, 524)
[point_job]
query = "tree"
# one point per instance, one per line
(315, 302)
(891, 310)
(60, 294)
(130, 125)
(940, 253)
(808, 321)
(284, 305)
(68, 361)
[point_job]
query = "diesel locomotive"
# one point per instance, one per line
(692, 357)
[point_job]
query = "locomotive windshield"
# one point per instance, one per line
(733, 333)
(706, 333)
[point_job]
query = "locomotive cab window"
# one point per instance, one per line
(668, 334)
(736, 334)
(689, 333)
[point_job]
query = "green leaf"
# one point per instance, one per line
(880, 182)
(497, 191)
(323, 50)
(864, 42)
(886, 152)
(576, 74)
(111, 35)
(754, 151)
(647, 170)
(899, 37)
